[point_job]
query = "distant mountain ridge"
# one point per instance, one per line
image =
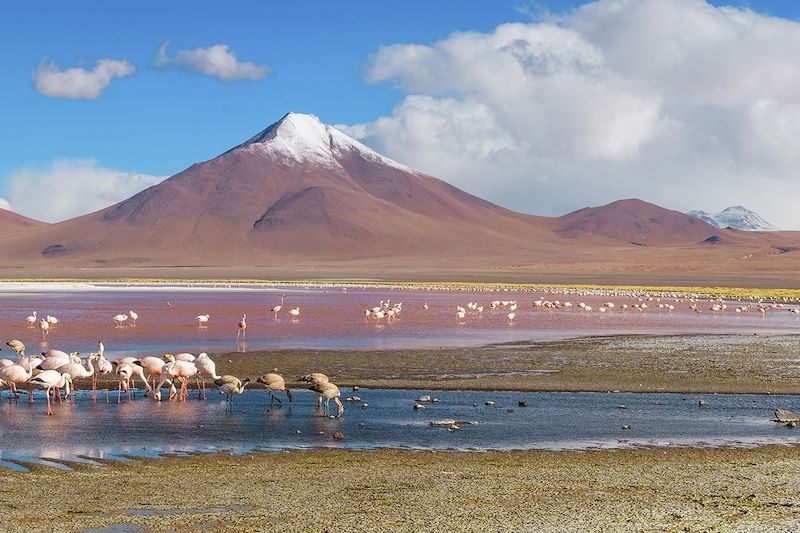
(736, 217)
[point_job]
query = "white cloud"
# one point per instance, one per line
(78, 83)
(681, 103)
(72, 187)
(217, 60)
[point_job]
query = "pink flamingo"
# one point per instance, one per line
(242, 327)
(173, 368)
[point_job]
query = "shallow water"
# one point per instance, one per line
(334, 319)
(553, 421)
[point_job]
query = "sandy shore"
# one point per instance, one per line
(638, 363)
(335, 490)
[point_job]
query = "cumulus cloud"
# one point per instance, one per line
(681, 103)
(79, 83)
(72, 187)
(217, 60)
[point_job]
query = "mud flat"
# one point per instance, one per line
(633, 363)
(387, 490)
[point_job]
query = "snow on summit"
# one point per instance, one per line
(299, 137)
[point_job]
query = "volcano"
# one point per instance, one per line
(302, 196)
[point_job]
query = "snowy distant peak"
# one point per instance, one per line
(737, 217)
(299, 137)
(705, 217)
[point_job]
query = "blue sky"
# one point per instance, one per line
(158, 121)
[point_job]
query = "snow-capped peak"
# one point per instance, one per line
(737, 217)
(299, 137)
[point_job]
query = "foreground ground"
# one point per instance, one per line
(336, 490)
(637, 363)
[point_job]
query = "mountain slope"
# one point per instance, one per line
(297, 188)
(12, 223)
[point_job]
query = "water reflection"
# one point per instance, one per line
(551, 421)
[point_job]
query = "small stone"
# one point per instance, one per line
(364, 405)
(356, 388)
(419, 407)
(622, 406)
(490, 403)
(435, 400)
(230, 360)
(523, 403)
(701, 403)
(454, 428)
(474, 405)
(509, 410)
(424, 399)
(626, 426)
(298, 431)
(338, 436)
(361, 424)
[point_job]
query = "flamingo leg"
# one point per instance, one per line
(119, 392)
(49, 408)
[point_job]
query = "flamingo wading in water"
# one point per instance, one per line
(242, 327)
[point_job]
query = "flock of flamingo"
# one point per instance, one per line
(55, 372)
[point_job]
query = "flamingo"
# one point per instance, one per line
(173, 368)
(44, 325)
(275, 382)
(51, 320)
(277, 308)
(17, 373)
(119, 319)
(242, 327)
(50, 379)
(185, 356)
(54, 359)
(31, 319)
(17, 346)
(153, 366)
(77, 370)
(315, 381)
(134, 316)
(329, 391)
(131, 368)
(101, 366)
(231, 385)
(295, 312)
(205, 367)
(202, 320)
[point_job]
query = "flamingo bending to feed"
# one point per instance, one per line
(119, 319)
(16, 373)
(185, 356)
(152, 366)
(277, 308)
(50, 379)
(205, 367)
(315, 381)
(242, 327)
(329, 391)
(295, 312)
(230, 385)
(51, 320)
(173, 368)
(202, 320)
(44, 325)
(275, 382)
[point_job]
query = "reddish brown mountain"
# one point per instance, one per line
(11, 223)
(636, 222)
(298, 188)
(301, 196)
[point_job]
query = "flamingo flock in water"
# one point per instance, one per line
(56, 372)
